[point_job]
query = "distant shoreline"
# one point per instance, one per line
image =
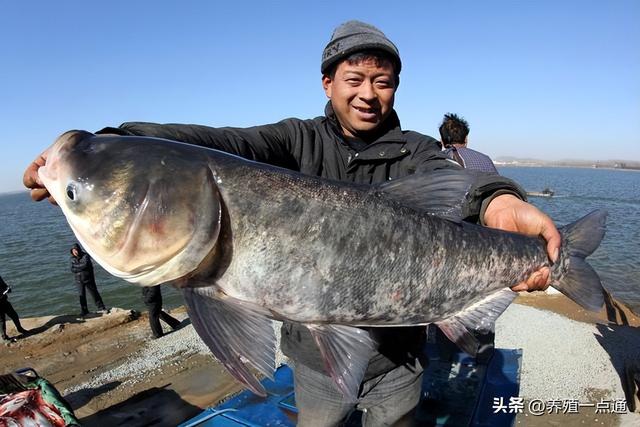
(563, 165)
(12, 192)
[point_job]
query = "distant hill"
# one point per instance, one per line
(611, 164)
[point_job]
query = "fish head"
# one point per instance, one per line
(147, 210)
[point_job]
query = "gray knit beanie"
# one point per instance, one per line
(355, 36)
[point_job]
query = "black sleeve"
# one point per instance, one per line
(487, 185)
(272, 143)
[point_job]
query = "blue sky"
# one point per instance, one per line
(544, 79)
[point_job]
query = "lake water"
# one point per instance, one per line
(580, 191)
(35, 240)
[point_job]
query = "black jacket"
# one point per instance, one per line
(3, 289)
(317, 147)
(82, 267)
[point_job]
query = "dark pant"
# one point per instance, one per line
(7, 308)
(383, 400)
(93, 290)
(156, 314)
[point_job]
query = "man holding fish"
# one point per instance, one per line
(359, 140)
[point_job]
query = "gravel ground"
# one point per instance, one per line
(565, 359)
(156, 354)
(152, 357)
(562, 358)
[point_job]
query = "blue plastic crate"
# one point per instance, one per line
(456, 393)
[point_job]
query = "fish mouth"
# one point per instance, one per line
(45, 178)
(48, 173)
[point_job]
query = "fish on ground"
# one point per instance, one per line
(248, 242)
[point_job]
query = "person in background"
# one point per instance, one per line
(454, 134)
(359, 139)
(7, 309)
(82, 269)
(152, 297)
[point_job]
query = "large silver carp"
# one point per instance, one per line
(249, 242)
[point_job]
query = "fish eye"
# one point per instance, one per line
(71, 191)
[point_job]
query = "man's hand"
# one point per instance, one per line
(31, 180)
(507, 212)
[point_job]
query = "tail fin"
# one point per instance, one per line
(579, 281)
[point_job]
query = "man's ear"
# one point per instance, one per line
(397, 82)
(327, 83)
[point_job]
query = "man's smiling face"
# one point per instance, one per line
(362, 95)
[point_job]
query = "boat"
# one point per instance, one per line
(547, 192)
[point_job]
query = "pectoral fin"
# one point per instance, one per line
(441, 192)
(234, 331)
(346, 351)
(480, 317)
